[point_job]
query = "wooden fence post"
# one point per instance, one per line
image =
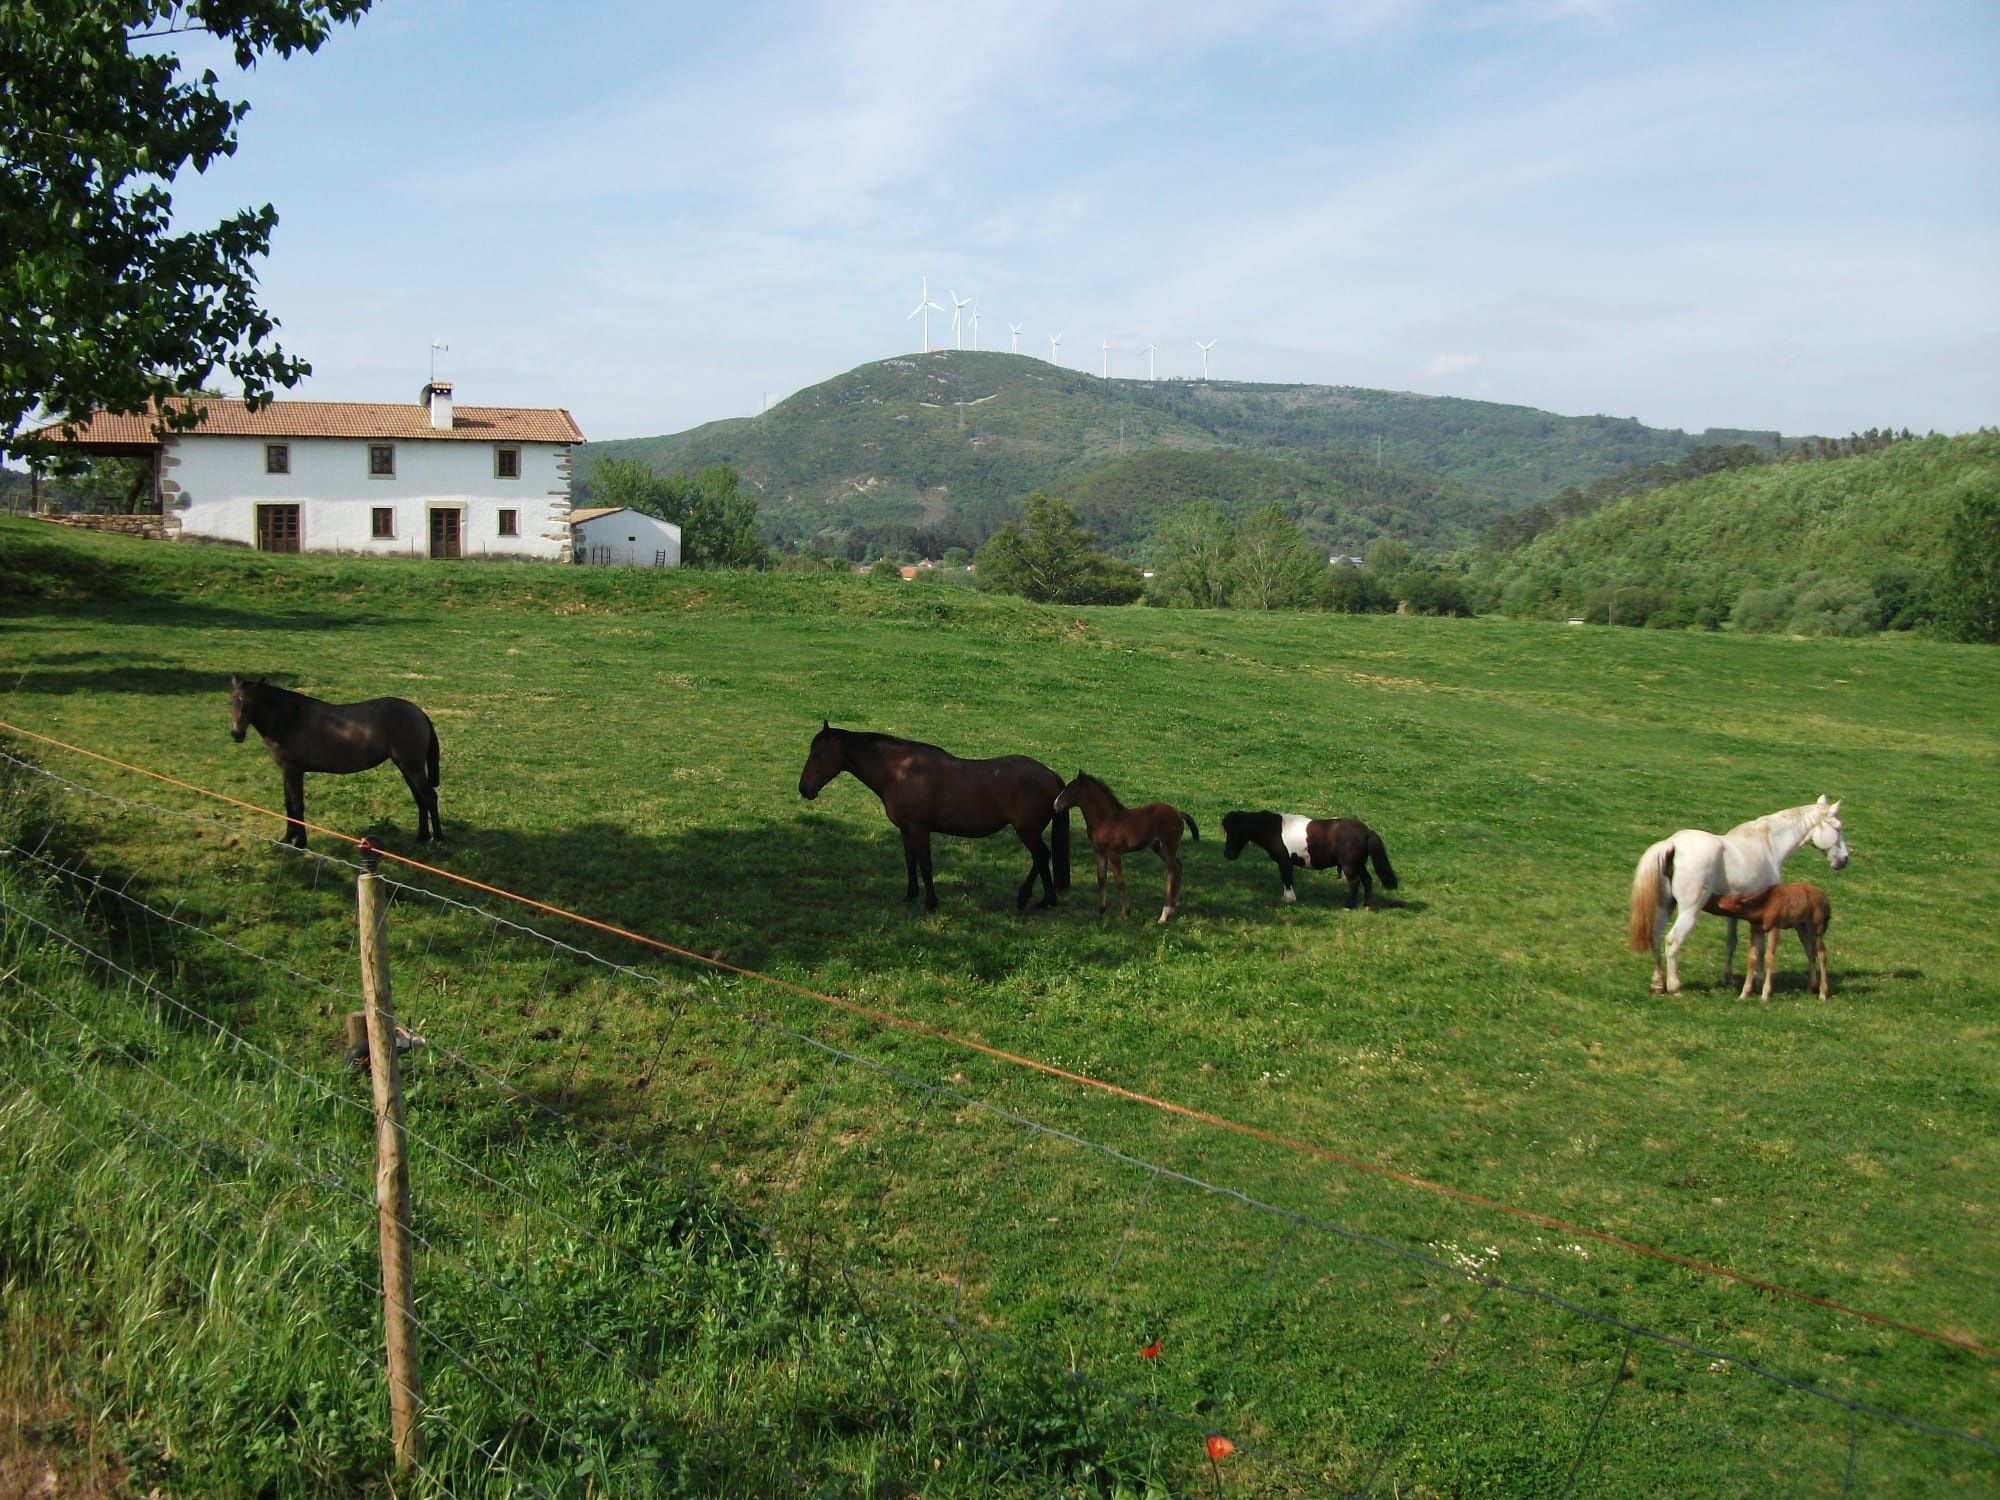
(392, 1171)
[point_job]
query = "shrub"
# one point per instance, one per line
(1627, 606)
(1835, 606)
(1428, 593)
(1354, 591)
(1762, 610)
(1903, 593)
(1967, 596)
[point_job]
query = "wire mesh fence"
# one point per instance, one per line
(671, 1238)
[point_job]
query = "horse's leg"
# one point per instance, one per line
(1102, 865)
(418, 787)
(1173, 859)
(1819, 941)
(1728, 951)
(1749, 964)
(911, 839)
(1118, 873)
(1659, 949)
(1771, 958)
(1039, 853)
(1677, 937)
(295, 806)
(1285, 876)
(924, 864)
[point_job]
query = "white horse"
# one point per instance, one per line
(1682, 872)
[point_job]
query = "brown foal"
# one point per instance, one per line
(1799, 905)
(1117, 830)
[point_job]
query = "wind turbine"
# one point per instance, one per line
(975, 326)
(1204, 354)
(1149, 360)
(1055, 350)
(1106, 373)
(958, 306)
(926, 307)
(1015, 330)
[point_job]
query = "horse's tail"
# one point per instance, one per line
(1060, 831)
(1380, 857)
(1193, 832)
(1649, 883)
(431, 757)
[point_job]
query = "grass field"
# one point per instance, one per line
(630, 747)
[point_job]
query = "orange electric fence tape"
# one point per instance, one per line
(1084, 1080)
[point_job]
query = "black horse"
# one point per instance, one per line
(925, 790)
(1346, 844)
(305, 734)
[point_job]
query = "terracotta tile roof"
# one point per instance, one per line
(592, 512)
(400, 421)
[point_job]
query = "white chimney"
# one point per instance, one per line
(437, 395)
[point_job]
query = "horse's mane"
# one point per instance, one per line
(874, 737)
(1807, 812)
(1098, 782)
(284, 705)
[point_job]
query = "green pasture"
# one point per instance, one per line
(630, 747)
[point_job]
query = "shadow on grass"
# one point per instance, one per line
(151, 680)
(815, 894)
(35, 573)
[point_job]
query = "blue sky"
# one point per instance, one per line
(1758, 215)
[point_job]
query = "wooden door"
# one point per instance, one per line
(277, 528)
(445, 528)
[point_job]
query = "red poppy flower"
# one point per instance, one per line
(1219, 1446)
(1151, 1351)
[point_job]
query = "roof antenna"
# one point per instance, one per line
(438, 346)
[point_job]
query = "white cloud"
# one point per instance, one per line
(1442, 366)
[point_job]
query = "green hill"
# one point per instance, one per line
(925, 450)
(1877, 519)
(1341, 501)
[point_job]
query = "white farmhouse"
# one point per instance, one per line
(624, 538)
(373, 478)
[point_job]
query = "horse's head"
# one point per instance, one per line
(824, 761)
(1234, 835)
(1072, 795)
(1827, 837)
(239, 708)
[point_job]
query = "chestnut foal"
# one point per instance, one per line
(1117, 830)
(1800, 905)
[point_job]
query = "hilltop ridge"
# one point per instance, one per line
(944, 445)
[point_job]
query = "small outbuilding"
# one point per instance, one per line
(617, 536)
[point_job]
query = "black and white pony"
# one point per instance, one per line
(1345, 844)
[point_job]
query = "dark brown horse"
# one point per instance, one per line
(1117, 830)
(1345, 844)
(925, 790)
(305, 734)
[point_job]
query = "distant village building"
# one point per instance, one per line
(426, 479)
(619, 537)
